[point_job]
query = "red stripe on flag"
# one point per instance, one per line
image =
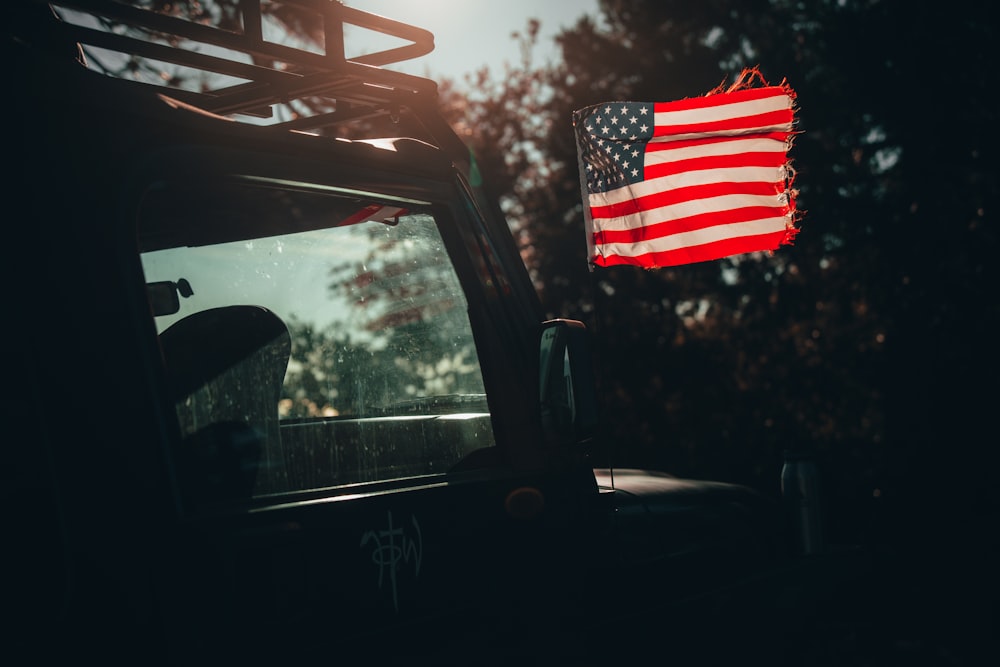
(755, 159)
(688, 224)
(719, 99)
(702, 253)
(669, 197)
(748, 123)
(661, 145)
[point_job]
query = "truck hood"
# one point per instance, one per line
(658, 516)
(651, 490)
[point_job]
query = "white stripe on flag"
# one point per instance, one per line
(685, 210)
(696, 238)
(708, 114)
(715, 149)
(688, 179)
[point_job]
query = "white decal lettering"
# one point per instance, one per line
(394, 547)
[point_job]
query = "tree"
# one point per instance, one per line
(403, 337)
(713, 369)
(871, 341)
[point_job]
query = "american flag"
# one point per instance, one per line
(668, 183)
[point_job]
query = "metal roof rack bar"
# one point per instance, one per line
(272, 73)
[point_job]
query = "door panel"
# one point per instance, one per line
(334, 446)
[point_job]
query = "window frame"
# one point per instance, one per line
(454, 211)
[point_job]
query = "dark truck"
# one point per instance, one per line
(286, 392)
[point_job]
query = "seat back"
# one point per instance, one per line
(225, 367)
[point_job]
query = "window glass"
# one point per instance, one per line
(319, 339)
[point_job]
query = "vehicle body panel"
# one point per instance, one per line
(518, 546)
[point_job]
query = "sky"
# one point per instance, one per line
(471, 33)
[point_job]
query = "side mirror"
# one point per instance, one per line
(163, 296)
(566, 381)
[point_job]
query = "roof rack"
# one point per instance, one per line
(318, 89)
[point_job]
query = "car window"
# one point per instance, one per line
(320, 339)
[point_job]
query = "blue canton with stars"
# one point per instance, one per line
(611, 139)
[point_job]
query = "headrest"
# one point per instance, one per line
(202, 346)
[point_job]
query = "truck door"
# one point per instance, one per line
(332, 439)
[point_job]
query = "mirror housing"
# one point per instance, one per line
(567, 390)
(163, 295)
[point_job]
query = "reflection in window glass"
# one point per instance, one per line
(378, 375)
